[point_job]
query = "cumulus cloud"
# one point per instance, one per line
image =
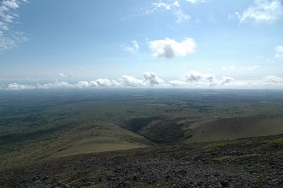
(153, 79)
(64, 85)
(8, 13)
(83, 84)
(131, 81)
(169, 48)
(279, 52)
(194, 78)
(262, 11)
(132, 49)
(150, 79)
(106, 82)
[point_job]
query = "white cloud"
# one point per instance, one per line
(181, 17)
(105, 82)
(241, 68)
(249, 68)
(272, 79)
(176, 4)
(131, 81)
(153, 79)
(178, 83)
(16, 86)
(195, 1)
(132, 49)
(93, 84)
(10, 4)
(172, 6)
(169, 48)
(150, 78)
(226, 80)
(62, 75)
(83, 84)
(161, 5)
(194, 76)
(279, 52)
(229, 68)
(191, 79)
(8, 13)
(56, 85)
(200, 79)
(66, 76)
(263, 11)
(3, 26)
(6, 42)
(197, 79)
(64, 85)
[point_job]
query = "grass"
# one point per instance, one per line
(269, 145)
(235, 128)
(97, 144)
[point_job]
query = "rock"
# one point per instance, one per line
(224, 183)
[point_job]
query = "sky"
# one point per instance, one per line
(48, 44)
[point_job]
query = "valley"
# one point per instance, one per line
(45, 127)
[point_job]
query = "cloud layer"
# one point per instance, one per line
(192, 79)
(169, 48)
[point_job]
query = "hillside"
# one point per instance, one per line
(253, 162)
(142, 138)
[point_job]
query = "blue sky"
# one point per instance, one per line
(133, 43)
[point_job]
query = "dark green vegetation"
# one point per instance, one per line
(40, 126)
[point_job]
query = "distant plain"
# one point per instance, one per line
(43, 124)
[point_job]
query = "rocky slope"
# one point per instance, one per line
(253, 162)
